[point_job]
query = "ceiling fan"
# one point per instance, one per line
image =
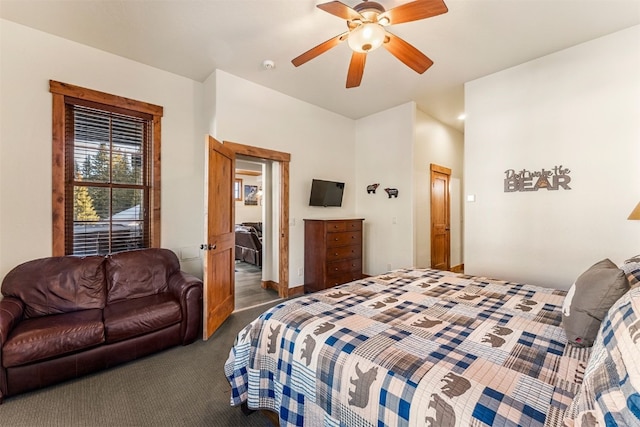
(367, 24)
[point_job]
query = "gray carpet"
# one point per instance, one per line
(182, 386)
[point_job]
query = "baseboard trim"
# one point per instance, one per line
(288, 292)
(296, 291)
(269, 284)
(457, 268)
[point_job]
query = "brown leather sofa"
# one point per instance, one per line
(63, 317)
(248, 245)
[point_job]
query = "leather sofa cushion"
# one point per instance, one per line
(57, 285)
(46, 337)
(139, 273)
(248, 240)
(130, 318)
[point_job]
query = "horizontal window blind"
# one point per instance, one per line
(109, 176)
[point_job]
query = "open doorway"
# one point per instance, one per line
(253, 220)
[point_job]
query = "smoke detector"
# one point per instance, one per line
(268, 64)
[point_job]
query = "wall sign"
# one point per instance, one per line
(526, 180)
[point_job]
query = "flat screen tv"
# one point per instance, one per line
(326, 193)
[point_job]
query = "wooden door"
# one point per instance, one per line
(219, 263)
(440, 224)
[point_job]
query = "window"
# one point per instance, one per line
(106, 172)
(237, 189)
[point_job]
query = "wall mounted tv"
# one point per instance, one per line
(326, 193)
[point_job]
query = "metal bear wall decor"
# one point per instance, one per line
(372, 188)
(526, 180)
(392, 192)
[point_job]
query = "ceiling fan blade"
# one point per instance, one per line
(356, 69)
(340, 10)
(321, 48)
(413, 11)
(408, 54)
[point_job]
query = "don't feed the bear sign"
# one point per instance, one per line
(526, 180)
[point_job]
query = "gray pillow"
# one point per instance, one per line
(589, 300)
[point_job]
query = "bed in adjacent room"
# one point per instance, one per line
(422, 347)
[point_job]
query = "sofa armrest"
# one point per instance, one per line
(11, 312)
(188, 290)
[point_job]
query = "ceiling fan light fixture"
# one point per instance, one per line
(366, 37)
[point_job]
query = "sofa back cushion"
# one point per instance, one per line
(57, 285)
(139, 273)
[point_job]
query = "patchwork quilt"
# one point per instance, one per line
(609, 395)
(414, 347)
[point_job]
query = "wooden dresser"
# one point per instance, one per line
(332, 252)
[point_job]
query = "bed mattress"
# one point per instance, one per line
(413, 347)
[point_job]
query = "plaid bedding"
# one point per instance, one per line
(414, 347)
(609, 394)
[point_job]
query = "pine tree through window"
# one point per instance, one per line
(109, 179)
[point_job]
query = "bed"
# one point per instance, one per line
(422, 347)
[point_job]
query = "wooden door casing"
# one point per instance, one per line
(283, 159)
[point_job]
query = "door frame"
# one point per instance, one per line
(282, 286)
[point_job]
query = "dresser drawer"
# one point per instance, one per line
(332, 252)
(343, 239)
(342, 278)
(345, 225)
(343, 266)
(344, 252)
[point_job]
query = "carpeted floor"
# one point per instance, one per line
(182, 386)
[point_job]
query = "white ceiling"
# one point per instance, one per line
(192, 38)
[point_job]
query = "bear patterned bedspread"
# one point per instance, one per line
(413, 347)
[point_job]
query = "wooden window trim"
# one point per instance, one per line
(61, 92)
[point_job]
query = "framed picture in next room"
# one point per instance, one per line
(251, 195)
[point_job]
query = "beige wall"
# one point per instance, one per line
(29, 60)
(578, 108)
(395, 148)
(249, 213)
(442, 145)
(384, 148)
(320, 143)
